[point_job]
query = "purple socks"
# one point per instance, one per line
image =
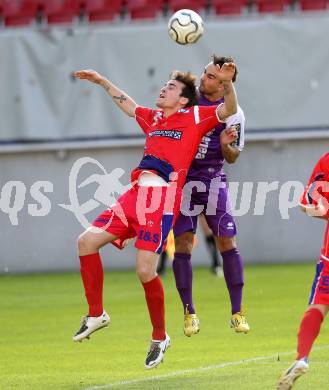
(233, 273)
(182, 268)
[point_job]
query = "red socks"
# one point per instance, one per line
(92, 275)
(155, 302)
(308, 331)
(91, 269)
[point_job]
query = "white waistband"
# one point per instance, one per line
(149, 179)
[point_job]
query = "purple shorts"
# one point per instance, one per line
(213, 202)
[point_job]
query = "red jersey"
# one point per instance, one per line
(318, 185)
(172, 142)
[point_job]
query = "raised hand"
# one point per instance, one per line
(226, 71)
(90, 75)
(121, 99)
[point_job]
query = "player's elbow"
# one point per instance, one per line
(231, 159)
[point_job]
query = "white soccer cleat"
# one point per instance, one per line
(156, 351)
(90, 325)
(289, 377)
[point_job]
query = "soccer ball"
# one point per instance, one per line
(185, 26)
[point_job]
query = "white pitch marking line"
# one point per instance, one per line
(199, 369)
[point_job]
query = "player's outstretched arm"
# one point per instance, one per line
(230, 106)
(121, 99)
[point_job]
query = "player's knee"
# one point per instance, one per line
(145, 273)
(323, 309)
(86, 245)
(184, 243)
(225, 244)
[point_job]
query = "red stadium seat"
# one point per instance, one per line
(275, 6)
(144, 9)
(102, 10)
(229, 7)
(1, 10)
(19, 12)
(196, 5)
(313, 5)
(60, 11)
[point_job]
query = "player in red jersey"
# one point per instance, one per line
(147, 211)
(315, 203)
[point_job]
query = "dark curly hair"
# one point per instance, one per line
(189, 90)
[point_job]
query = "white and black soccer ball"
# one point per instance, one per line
(185, 27)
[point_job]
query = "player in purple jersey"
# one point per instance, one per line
(206, 192)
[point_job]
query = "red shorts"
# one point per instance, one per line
(147, 213)
(320, 289)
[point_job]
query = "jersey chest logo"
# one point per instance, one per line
(174, 134)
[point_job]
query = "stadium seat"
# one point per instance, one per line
(60, 11)
(1, 10)
(144, 9)
(19, 12)
(271, 6)
(102, 10)
(196, 5)
(229, 7)
(313, 5)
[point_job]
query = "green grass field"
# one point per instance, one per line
(39, 314)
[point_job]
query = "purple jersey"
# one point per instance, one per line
(208, 162)
(207, 168)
